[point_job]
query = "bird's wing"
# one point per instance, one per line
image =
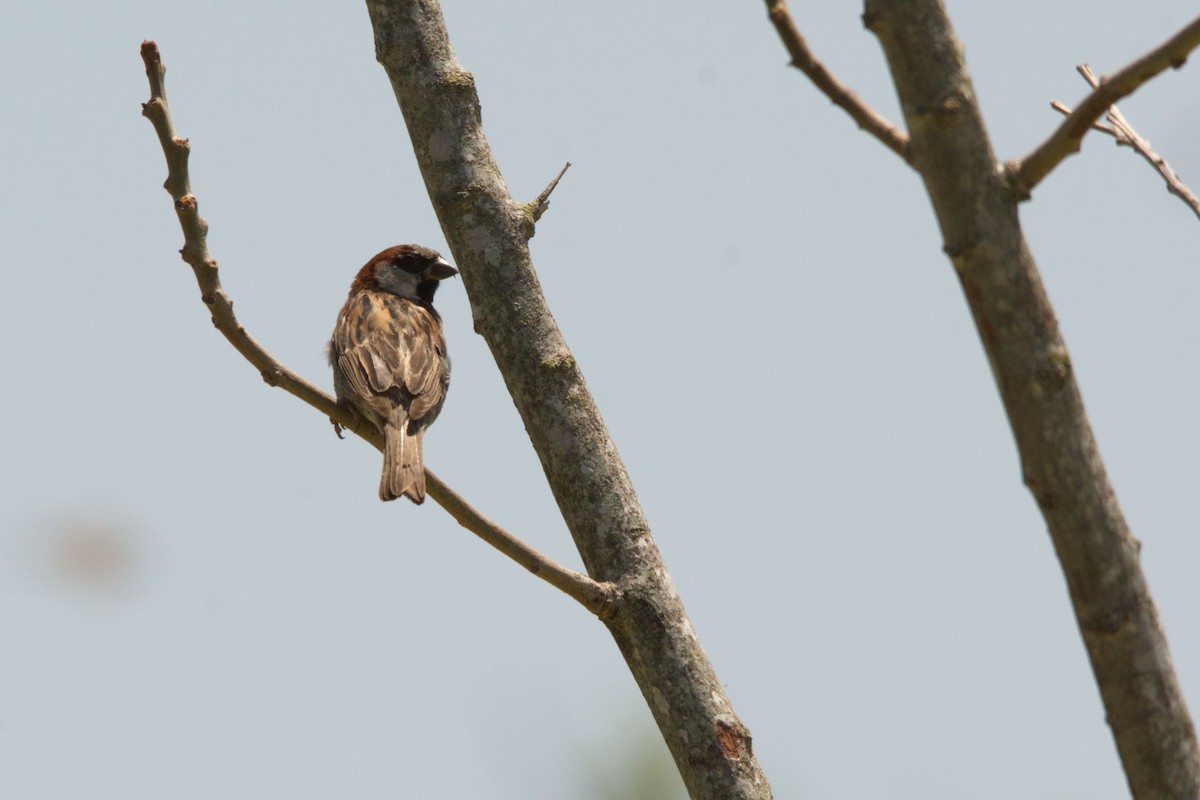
(392, 353)
(426, 369)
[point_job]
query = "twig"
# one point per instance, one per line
(1028, 172)
(1124, 134)
(842, 95)
(1065, 110)
(542, 201)
(599, 598)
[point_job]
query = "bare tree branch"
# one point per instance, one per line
(842, 95)
(599, 598)
(1028, 172)
(1124, 133)
(1060, 460)
(488, 233)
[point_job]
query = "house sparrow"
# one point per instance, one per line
(389, 358)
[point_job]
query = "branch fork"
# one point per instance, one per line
(839, 93)
(1130, 659)
(1026, 173)
(1125, 135)
(599, 597)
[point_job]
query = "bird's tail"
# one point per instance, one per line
(403, 471)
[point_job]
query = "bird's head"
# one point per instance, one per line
(407, 270)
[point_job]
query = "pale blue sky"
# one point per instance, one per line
(756, 293)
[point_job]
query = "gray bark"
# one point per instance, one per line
(488, 233)
(977, 211)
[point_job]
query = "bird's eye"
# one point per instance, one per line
(409, 263)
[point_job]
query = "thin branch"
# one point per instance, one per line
(842, 95)
(1065, 110)
(542, 202)
(1028, 172)
(1124, 133)
(599, 598)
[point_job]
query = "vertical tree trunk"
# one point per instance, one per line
(977, 212)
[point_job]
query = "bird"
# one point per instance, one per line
(389, 360)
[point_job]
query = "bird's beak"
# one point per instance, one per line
(441, 269)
